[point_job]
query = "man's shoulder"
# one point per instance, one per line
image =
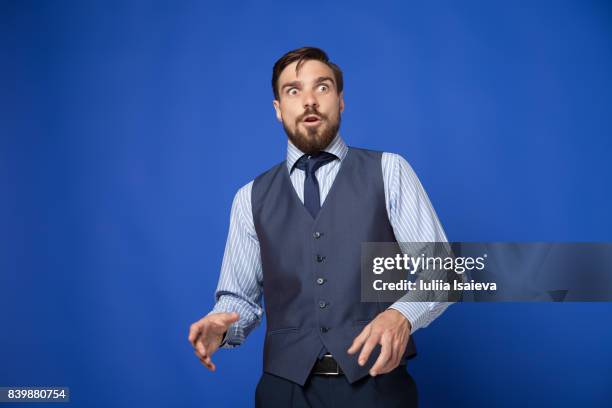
(393, 156)
(397, 160)
(245, 189)
(395, 165)
(242, 198)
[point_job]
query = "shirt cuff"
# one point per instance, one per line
(415, 312)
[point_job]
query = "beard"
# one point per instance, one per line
(313, 139)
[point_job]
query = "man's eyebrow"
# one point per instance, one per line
(291, 84)
(317, 81)
(323, 79)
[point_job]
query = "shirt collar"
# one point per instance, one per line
(336, 147)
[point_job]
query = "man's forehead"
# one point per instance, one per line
(309, 70)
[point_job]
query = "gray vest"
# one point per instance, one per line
(312, 267)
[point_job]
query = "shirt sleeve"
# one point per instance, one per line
(240, 284)
(413, 220)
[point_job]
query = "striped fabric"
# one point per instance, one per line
(410, 213)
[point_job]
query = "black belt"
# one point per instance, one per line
(328, 366)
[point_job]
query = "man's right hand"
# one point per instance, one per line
(206, 335)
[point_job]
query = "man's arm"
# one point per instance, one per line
(413, 219)
(240, 283)
(237, 310)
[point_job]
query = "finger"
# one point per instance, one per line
(207, 362)
(397, 354)
(211, 346)
(200, 354)
(203, 359)
(369, 345)
(200, 347)
(384, 357)
(194, 332)
(393, 361)
(359, 340)
(401, 349)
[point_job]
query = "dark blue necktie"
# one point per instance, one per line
(312, 199)
(310, 164)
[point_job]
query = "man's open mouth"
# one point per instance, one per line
(312, 120)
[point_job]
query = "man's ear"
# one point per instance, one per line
(341, 96)
(276, 105)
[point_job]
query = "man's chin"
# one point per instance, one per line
(312, 140)
(310, 143)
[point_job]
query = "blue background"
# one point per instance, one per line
(127, 127)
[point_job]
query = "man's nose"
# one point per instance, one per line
(310, 100)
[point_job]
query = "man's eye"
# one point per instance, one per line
(323, 88)
(292, 91)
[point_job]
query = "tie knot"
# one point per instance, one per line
(311, 163)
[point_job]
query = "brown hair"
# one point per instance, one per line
(302, 55)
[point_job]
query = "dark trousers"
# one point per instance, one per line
(395, 389)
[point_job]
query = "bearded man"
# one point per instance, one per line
(295, 238)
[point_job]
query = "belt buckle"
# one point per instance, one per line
(337, 372)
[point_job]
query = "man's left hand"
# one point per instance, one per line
(391, 330)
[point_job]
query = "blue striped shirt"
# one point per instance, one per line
(410, 213)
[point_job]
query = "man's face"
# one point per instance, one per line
(309, 106)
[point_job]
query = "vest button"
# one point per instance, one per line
(317, 234)
(320, 258)
(322, 304)
(320, 281)
(324, 329)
